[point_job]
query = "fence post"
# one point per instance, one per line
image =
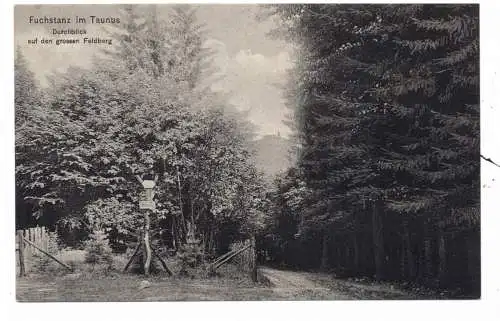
(32, 239)
(20, 240)
(39, 236)
(44, 239)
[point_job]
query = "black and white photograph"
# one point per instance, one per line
(247, 152)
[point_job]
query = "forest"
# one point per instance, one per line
(383, 180)
(385, 102)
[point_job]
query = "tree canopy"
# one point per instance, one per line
(97, 129)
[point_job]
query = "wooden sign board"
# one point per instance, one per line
(146, 196)
(147, 205)
(147, 184)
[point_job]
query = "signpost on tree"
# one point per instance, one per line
(147, 204)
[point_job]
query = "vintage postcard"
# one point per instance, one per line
(168, 152)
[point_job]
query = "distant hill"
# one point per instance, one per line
(272, 154)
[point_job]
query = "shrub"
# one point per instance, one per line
(190, 254)
(98, 250)
(43, 263)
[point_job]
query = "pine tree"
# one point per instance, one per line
(27, 95)
(387, 112)
(433, 115)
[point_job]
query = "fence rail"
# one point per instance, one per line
(242, 254)
(246, 260)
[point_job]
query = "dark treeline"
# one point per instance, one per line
(386, 113)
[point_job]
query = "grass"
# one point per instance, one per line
(99, 283)
(127, 287)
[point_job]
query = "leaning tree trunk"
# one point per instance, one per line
(378, 241)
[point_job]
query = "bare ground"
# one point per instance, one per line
(323, 286)
(283, 285)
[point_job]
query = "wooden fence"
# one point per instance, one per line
(242, 254)
(246, 260)
(39, 236)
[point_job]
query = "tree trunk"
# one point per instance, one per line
(402, 252)
(211, 241)
(181, 206)
(442, 257)
(338, 255)
(174, 235)
(348, 255)
(192, 216)
(147, 243)
(203, 243)
(410, 261)
(356, 253)
(324, 254)
(472, 261)
(428, 256)
(471, 257)
(378, 242)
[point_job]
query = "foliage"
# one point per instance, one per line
(190, 254)
(27, 94)
(98, 250)
(279, 238)
(42, 263)
(105, 130)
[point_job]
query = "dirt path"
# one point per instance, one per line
(306, 285)
(299, 285)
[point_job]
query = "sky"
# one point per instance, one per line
(252, 64)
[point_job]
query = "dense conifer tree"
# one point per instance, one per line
(386, 108)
